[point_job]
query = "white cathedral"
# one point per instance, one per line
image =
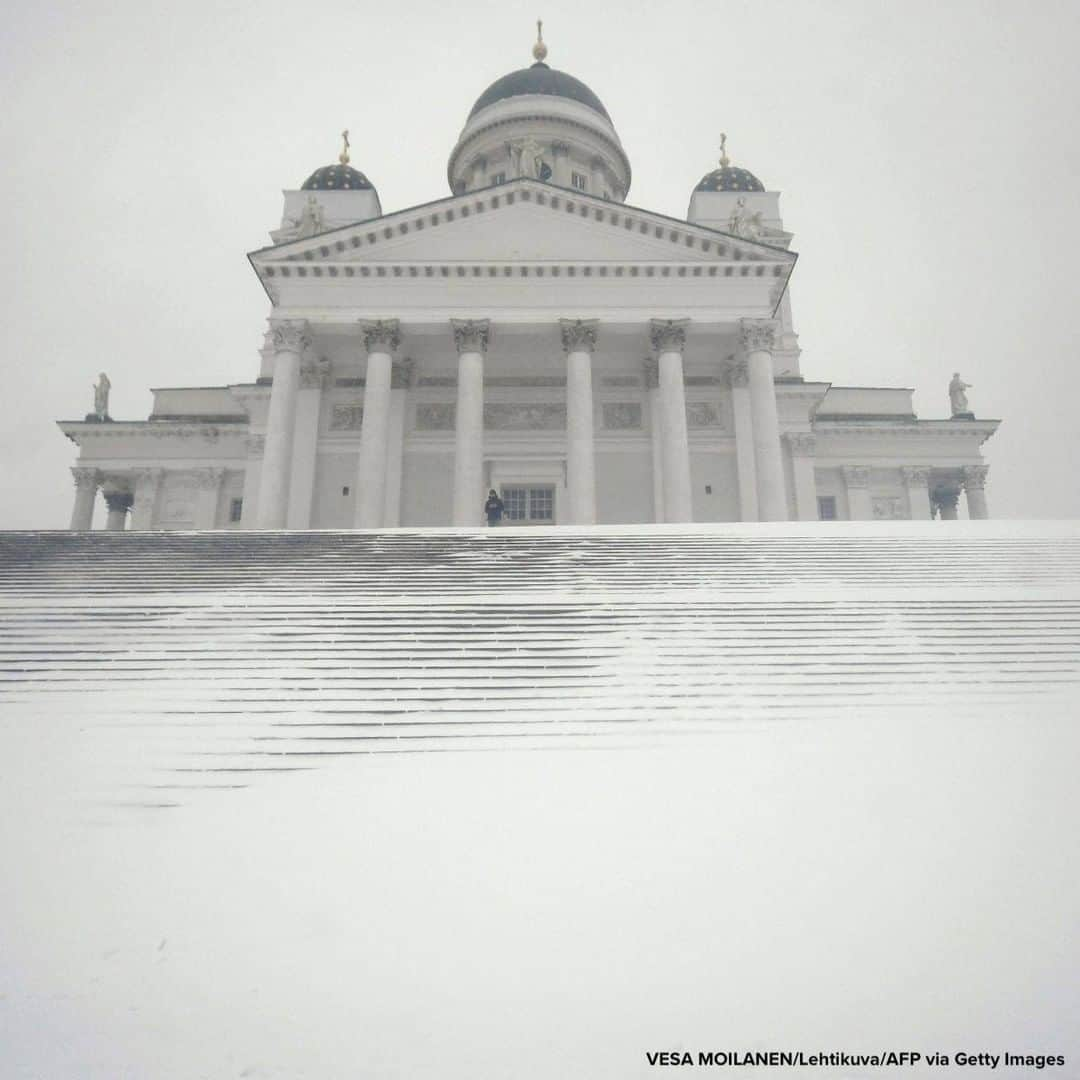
(532, 333)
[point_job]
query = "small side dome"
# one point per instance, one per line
(336, 178)
(728, 177)
(339, 177)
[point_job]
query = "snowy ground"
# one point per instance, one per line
(346, 808)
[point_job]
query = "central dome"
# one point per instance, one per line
(539, 79)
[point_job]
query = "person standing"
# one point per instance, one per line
(493, 508)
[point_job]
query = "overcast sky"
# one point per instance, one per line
(927, 155)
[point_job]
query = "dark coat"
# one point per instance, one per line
(494, 508)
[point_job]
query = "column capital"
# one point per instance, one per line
(381, 335)
(119, 502)
(856, 476)
(738, 372)
(289, 335)
(86, 477)
(801, 443)
(579, 335)
(973, 477)
(757, 335)
(471, 335)
(651, 367)
(668, 335)
(916, 475)
(402, 373)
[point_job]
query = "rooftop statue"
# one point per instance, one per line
(957, 398)
(744, 223)
(101, 397)
(311, 218)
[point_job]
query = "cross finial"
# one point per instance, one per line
(539, 49)
(725, 161)
(343, 157)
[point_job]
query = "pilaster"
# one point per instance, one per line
(207, 496)
(973, 481)
(857, 481)
(802, 445)
(917, 485)
(313, 378)
(738, 377)
(147, 487)
(87, 482)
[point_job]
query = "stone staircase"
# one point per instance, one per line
(154, 665)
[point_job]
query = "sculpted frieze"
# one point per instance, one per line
(501, 416)
(435, 416)
(622, 416)
(347, 416)
(702, 414)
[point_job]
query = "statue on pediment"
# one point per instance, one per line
(101, 397)
(958, 401)
(744, 223)
(311, 221)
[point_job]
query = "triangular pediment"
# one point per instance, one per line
(521, 222)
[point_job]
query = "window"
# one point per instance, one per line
(579, 181)
(826, 507)
(236, 509)
(529, 505)
(499, 178)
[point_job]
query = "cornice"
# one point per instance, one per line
(364, 235)
(968, 429)
(77, 430)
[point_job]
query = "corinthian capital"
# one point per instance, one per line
(289, 335)
(915, 475)
(85, 477)
(757, 335)
(471, 335)
(974, 477)
(668, 335)
(578, 335)
(381, 335)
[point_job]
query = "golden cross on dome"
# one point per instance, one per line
(539, 49)
(343, 157)
(725, 161)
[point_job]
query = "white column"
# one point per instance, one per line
(917, 483)
(739, 380)
(974, 481)
(381, 338)
(802, 446)
(857, 480)
(119, 503)
(579, 341)
(400, 381)
(305, 445)
(147, 485)
(471, 340)
(656, 432)
(757, 338)
(290, 339)
(86, 485)
(668, 339)
(208, 494)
